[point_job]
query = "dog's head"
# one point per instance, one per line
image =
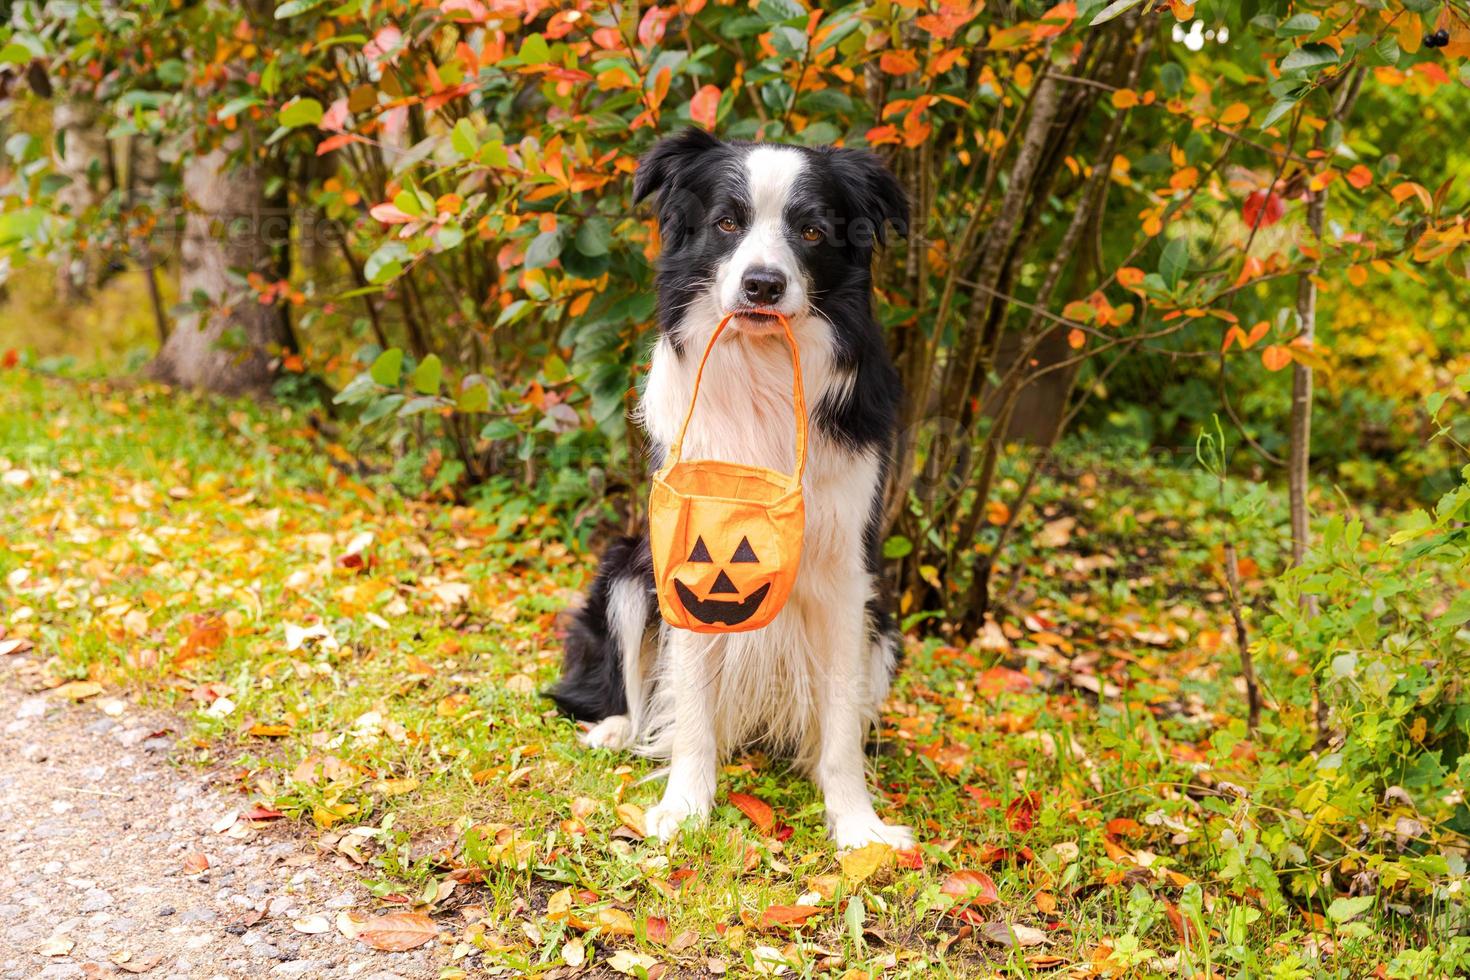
(749, 227)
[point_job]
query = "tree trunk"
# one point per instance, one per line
(230, 347)
(80, 146)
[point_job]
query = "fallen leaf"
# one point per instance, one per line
(312, 924)
(631, 814)
(78, 690)
(756, 810)
(971, 888)
(861, 864)
(397, 931)
(631, 963)
(196, 863)
(1005, 934)
(787, 915)
(615, 922)
(56, 946)
(141, 966)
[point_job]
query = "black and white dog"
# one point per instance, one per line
(791, 229)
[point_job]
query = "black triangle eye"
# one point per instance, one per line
(700, 552)
(745, 553)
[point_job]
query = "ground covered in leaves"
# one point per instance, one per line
(364, 670)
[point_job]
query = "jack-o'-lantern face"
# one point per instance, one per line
(737, 591)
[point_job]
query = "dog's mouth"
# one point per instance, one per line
(756, 321)
(728, 612)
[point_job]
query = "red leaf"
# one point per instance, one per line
(971, 888)
(705, 105)
(1021, 814)
(651, 28)
(997, 679)
(1262, 208)
(259, 812)
(657, 929)
(912, 859)
(758, 811)
(337, 142)
(787, 915)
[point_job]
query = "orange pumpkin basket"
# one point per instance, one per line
(726, 537)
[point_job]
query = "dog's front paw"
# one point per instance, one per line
(663, 821)
(859, 831)
(614, 732)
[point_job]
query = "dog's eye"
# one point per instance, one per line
(727, 224)
(811, 233)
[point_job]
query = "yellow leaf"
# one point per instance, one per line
(615, 922)
(863, 863)
(78, 690)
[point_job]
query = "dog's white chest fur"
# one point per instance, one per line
(769, 681)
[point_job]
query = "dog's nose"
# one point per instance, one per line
(763, 286)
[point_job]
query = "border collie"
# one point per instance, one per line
(792, 229)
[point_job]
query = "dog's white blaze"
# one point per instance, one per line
(771, 173)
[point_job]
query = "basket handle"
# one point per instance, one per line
(798, 396)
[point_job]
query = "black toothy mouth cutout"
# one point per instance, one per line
(720, 611)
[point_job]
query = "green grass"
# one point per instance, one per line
(171, 547)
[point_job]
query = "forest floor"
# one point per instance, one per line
(362, 758)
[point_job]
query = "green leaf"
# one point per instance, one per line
(301, 112)
(386, 263)
(544, 250)
(388, 367)
(14, 54)
(1309, 56)
(1174, 262)
(463, 139)
(292, 8)
(493, 154)
(1343, 909)
(534, 50)
(594, 237)
(897, 547)
(236, 106)
(1278, 110)
(427, 375)
(1113, 10)
(1298, 25)
(475, 398)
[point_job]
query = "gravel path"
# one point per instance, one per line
(98, 836)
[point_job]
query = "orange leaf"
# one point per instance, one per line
(1130, 277)
(1275, 357)
(1409, 189)
(1360, 177)
(195, 863)
(757, 811)
(704, 106)
(1125, 98)
(398, 931)
(1076, 338)
(1257, 332)
(971, 888)
(787, 915)
(900, 62)
(1236, 113)
(1357, 274)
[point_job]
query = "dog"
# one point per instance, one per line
(745, 228)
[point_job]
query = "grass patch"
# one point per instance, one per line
(371, 666)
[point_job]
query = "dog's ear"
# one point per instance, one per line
(661, 166)
(876, 201)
